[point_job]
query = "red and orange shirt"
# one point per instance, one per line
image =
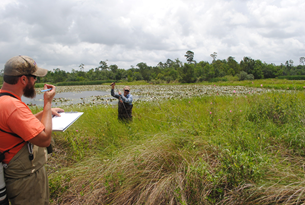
(16, 117)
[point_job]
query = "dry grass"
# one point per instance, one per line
(161, 171)
(186, 155)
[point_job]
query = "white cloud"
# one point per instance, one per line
(64, 34)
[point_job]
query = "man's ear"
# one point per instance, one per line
(23, 80)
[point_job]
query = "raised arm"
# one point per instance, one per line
(112, 91)
(43, 139)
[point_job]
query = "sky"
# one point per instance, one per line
(65, 34)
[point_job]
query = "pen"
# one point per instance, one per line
(46, 90)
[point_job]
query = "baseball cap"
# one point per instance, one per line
(126, 88)
(23, 65)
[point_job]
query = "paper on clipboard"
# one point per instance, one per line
(64, 121)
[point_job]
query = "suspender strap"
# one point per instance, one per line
(9, 94)
(13, 134)
(13, 147)
(1, 94)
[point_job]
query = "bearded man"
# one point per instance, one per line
(23, 135)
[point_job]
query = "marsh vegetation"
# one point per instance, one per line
(187, 144)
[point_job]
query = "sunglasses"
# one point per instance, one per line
(34, 76)
(126, 91)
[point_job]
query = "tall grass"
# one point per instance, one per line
(265, 83)
(207, 150)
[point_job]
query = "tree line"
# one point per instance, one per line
(175, 70)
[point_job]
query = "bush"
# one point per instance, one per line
(250, 77)
(245, 76)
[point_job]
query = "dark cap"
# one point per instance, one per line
(23, 65)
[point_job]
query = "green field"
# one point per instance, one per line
(228, 149)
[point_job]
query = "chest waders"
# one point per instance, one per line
(125, 111)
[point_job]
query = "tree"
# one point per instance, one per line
(247, 64)
(59, 75)
(169, 63)
(209, 71)
(138, 76)
(173, 73)
(161, 65)
(289, 64)
(232, 63)
(270, 71)
(145, 71)
(258, 70)
(81, 67)
(220, 67)
(103, 65)
(302, 60)
(288, 67)
(214, 56)
(187, 73)
(189, 56)
(90, 74)
(113, 68)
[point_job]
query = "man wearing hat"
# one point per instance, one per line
(124, 104)
(23, 135)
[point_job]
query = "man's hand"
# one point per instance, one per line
(49, 95)
(43, 139)
(112, 85)
(56, 111)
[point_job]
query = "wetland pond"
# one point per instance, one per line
(68, 98)
(100, 94)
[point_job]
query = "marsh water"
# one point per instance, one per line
(100, 94)
(68, 98)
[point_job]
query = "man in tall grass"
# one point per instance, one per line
(124, 104)
(23, 135)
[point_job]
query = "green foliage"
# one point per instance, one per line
(174, 70)
(278, 108)
(244, 76)
(144, 72)
(296, 77)
(39, 85)
(218, 79)
(233, 65)
(201, 150)
(138, 76)
(189, 56)
(209, 72)
(186, 73)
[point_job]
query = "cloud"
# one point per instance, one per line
(64, 34)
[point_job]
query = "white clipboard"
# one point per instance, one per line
(64, 121)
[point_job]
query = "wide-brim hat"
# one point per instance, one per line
(23, 65)
(127, 88)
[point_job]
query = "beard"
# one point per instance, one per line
(29, 91)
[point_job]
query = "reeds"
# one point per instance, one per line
(203, 150)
